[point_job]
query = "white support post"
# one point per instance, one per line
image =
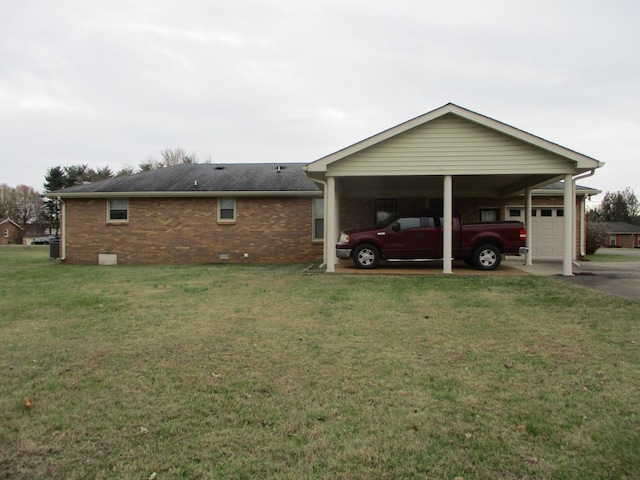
(331, 234)
(447, 230)
(567, 262)
(574, 215)
(528, 223)
(583, 227)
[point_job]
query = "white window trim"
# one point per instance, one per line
(314, 236)
(6, 233)
(116, 220)
(235, 208)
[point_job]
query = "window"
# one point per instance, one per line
(385, 208)
(409, 222)
(118, 210)
(560, 212)
(489, 215)
(546, 212)
(515, 212)
(227, 210)
(5, 232)
(318, 218)
(612, 240)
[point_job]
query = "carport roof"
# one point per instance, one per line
(421, 163)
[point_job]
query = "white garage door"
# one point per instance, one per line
(548, 231)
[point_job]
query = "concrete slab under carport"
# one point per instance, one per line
(509, 266)
(621, 279)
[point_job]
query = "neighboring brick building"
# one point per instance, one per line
(10, 232)
(195, 214)
(622, 235)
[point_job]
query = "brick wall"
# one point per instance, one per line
(186, 231)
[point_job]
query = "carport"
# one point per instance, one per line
(448, 153)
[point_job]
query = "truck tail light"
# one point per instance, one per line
(523, 234)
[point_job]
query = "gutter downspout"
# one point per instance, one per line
(63, 227)
(324, 220)
(573, 213)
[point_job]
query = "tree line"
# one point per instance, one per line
(619, 206)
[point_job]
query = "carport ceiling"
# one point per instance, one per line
(428, 186)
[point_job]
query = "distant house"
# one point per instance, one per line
(623, 235)
(10, 232)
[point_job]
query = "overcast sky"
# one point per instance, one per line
(112, 83)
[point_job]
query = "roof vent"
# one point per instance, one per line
(219, 167)
(279, 169)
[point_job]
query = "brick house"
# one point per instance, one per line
(195, 214)
(253, 213)
(448, 158)
(622, 235)
(10, 232)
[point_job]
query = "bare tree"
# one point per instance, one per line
(176, 156)
(22, 204)
(4, 188)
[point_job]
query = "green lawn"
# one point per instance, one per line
(226, 371)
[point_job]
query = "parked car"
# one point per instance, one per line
(418, 237)
(43, 241)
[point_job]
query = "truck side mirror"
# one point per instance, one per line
(395, 227)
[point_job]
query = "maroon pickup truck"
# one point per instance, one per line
(417, 237)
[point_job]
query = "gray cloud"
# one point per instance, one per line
(113, 83)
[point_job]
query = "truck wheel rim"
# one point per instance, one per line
(366, 257)
(487, 258)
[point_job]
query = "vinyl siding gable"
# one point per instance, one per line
(450, 145)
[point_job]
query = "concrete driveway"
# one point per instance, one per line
(617, 278)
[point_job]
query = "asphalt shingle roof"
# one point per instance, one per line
(620, 227)
(222, 177)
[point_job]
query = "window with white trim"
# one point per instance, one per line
(118, 210)
(226, 209)
(318, 219)
(5, 233)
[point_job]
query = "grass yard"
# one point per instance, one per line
(223, 371)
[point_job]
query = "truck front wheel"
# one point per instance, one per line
(366, 256)
(487, 257)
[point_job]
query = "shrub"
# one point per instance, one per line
(596, 237)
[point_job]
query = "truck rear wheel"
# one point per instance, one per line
(366, 256)
(487, 257)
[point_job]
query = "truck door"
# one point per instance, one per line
(413, 237)
(433, 238)
(404, 238)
